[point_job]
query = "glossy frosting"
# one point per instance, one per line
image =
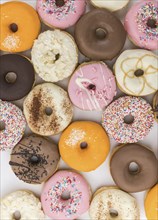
(113, 5)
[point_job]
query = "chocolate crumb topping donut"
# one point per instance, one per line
(34, 159)
(155, 106)
(100, 35)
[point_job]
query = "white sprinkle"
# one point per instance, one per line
(75, 137)
(11, 42)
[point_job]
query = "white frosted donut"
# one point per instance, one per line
(21, 203)
(54, 55)
(137, 72)
(113, 5)
(112, 203)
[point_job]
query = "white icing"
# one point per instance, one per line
(112, 5)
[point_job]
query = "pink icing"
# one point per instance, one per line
(92, 86)
(136, 24)
(57, 208)
(60, 16)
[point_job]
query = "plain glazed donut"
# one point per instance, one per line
(111, 203)
(21, 205)
(34, 159)
(16, 77)
(12, 125)
(140, 176)
(66, 195)
(100, 35)
(128, 119)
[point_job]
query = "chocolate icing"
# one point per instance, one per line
(24, 71)
(146, 161)
(100, 48)
(34, 159)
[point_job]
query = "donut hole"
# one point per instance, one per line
(133, 168)
(83, 145)
(57, 56)
(139, 73)
(11, 77)
(101, 33)
(16, 215)
(13, 27)
(91, 87)
(34, 159)
(59, 3)
(2, 125)
(128, 119)
(151, 23)
(113, 213)
(48, 111)
(65, 195)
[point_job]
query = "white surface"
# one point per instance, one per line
(99, 177)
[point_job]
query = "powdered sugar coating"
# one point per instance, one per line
(15, 125)
(113, 119)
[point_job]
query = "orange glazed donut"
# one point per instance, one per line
(84, 145)
(20, 26)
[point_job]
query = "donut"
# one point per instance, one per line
(54, 55)
(16, 77)
(134, 167)
(113, 5)
(34, 159)
(20, 26)
(84, 145)
(60, 13)
(136, 72)
(128, 119)
(12, 125)
(151, 203)
(47, 109)
(21, 205)
(112, 203)
(141, 24)
(100, 35)
(155, 106)
(66, 195)
(92, 86)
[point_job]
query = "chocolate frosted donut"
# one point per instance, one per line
(134, 167)
(16, 77)
(34, 159)
(100, 35)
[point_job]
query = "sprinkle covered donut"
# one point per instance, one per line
(60, 13)
(66, 195)
(128, 119)
(141, 23)
(12, 125)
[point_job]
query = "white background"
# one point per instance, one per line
(101, 176)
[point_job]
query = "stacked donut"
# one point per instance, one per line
(107, 69)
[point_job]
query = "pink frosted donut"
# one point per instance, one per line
(60, 13)
(66, 195)
(141, 23)
(92, 86)
(128, 119)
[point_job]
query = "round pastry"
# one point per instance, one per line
(34, 159)
(112, 203)
(60, 13)
(155, 106)
(134, 167)
(66, 195)
(136, 72)
(141, 24)
(21, 205)
(100, 35)
(16, 77)
(92, 86)
(12, 125)
(113, 5)
(84, 145)
(54, 55)
(128, 119)
(20, 25)
(151, 203)
(47, 109)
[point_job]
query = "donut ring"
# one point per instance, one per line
(100, 35)
(12, 125)
(155, 106)
(15, 88)
(128, 119)
(22, 204)
(143, 176)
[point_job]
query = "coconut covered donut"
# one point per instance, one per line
(54, 55)
(112, 203)
(21, 205)
(136, 72)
